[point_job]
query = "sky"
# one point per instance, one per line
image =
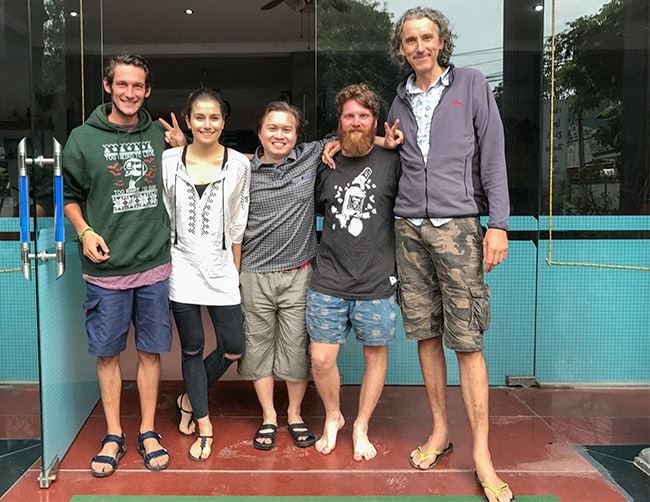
(479, 26)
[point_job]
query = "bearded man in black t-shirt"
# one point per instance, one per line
(354, 281)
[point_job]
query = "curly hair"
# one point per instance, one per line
(360, 93)
(444, 32)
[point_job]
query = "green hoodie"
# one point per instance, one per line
(115, 176)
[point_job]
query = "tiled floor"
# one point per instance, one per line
(533, 434)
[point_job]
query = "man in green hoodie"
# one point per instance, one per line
(113, 198)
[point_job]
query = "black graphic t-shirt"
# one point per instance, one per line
(356, 256)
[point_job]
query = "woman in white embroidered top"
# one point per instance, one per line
(206, 194)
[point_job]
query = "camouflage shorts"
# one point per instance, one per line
(442, 291)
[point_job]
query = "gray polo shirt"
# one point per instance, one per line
(280, 233)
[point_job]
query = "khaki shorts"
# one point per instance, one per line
(276, 342)
(442, 291)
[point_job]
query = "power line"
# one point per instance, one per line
(478, 51)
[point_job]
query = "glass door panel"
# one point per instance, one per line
(20, 429)
(59, 41)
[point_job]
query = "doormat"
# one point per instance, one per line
(616, 463)
(427, 498)
(16, 456)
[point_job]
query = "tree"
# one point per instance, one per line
(353, 47)
(589, 75)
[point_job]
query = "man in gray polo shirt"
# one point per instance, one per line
(278, 246)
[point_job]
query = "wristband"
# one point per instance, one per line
(82, 233)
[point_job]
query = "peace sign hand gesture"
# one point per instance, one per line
(393, 136)
(173, 134)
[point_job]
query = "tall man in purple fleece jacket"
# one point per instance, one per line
(453, 170)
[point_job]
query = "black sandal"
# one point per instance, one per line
(180, 411)
(204, 445)
(301, 430)
(265, 435)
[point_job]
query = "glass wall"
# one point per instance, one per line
(598, 54)
(570, 77)
(493, 37)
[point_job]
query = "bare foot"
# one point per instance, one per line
(327, 441)
(363, 448)
(494, 488)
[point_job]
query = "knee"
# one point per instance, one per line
(374, 356)
(232, 357)
(108, 360)
(190, 352)
(322, 362)
(108, 363)
(148, 358)
(470, 357)
(434, 343)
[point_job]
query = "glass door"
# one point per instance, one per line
(48, 59)
(19, 373)
(353, 45)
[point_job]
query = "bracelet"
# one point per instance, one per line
(82, 233)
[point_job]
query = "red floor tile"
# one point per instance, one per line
(532, 433)
(602, 430)
(587, 402)
(569, 488)
(20, 411)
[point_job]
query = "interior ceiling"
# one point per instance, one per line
(247, 54)
(217, 27)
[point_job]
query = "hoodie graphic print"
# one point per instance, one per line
(134, 168)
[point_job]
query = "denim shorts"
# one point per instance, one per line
(109, 314)
(329, 319)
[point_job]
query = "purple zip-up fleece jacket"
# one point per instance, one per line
(465, 173)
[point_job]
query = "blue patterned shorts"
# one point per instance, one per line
(329, 319)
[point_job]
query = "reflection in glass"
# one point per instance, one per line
(600, 154)
(353, 47)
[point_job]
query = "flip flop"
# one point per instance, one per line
(495, 491)
(148, 457)
(422, 455)
(265, 435)
(301, 430)
(105, 459)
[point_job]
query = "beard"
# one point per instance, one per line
(355, 142)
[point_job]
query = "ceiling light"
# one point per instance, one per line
(74, 13)
(539, 8)
(189, 12)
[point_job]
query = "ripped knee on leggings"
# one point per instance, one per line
(192, 352)
(232, 357)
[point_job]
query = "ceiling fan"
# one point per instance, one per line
(306, 5)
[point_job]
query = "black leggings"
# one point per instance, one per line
(198, 373)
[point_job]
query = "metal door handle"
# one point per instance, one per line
(59, 230)
(23, 210)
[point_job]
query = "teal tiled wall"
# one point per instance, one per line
(18, 338)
